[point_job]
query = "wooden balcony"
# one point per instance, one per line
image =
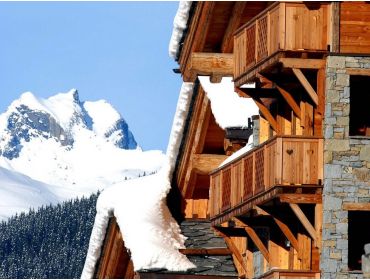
(286, 167)
(281, 30)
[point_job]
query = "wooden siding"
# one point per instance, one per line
(355, 27)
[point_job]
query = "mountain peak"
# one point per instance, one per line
(64, 118)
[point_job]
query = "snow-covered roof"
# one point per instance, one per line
(139, 205)
(228, 108)
(179, 25)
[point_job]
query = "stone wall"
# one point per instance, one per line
(346, 167)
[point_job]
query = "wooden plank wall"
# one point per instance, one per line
(354, 27)
(306, 27)
(196, 208)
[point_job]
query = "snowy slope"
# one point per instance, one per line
(77, 147)
(18, 193)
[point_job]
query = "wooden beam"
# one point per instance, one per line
(212, 63)
(300, 198)
(242, 93)
(205, 163)
(287, 96)
(283, 227)
(233, 248)
(347, 206)
(335, 27)
(234, 22)
(256, 240)
(307, 86)
(209, 251)
(195, 142)
(304, 220)
(196, 37)
(266, 114)
(302, 63)
(358, 72)
(291, 102)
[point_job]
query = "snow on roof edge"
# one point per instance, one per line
(178, 124)
(179, 25)
(167, 257)
(228, 108)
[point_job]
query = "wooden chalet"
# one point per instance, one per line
(274, 206)
(268, 203)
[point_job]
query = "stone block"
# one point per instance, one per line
(330, 120)
(328, 110)
(332, 203)
(328, 156)
(351, 59)
(342, 244)
(341, 228)
(346, 92)
(337, 144)
(332, 171)
(332, 96)
(342, 121)
(326, 217)
(336, 61)
(336, 256)
(353, 64)
(362, 174)
(329, 132)
(365, 153)
(342, 80)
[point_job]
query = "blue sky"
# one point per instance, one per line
(116, 51)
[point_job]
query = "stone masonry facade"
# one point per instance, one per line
(346, 166)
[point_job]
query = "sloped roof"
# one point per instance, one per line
(200, 235)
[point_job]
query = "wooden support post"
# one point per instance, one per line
(256, 240)
(335, 27)
(304, 221)
(233, 248)
(318, 224)
(283, 227)
(305, 83)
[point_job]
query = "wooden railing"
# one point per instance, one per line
(282, 26)
(256, 40)
(285, 160)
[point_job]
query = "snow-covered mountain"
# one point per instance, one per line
(74, 148)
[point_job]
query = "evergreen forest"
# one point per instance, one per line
(51, 242)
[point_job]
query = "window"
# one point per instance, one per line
(358, 236)
(359, 119)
